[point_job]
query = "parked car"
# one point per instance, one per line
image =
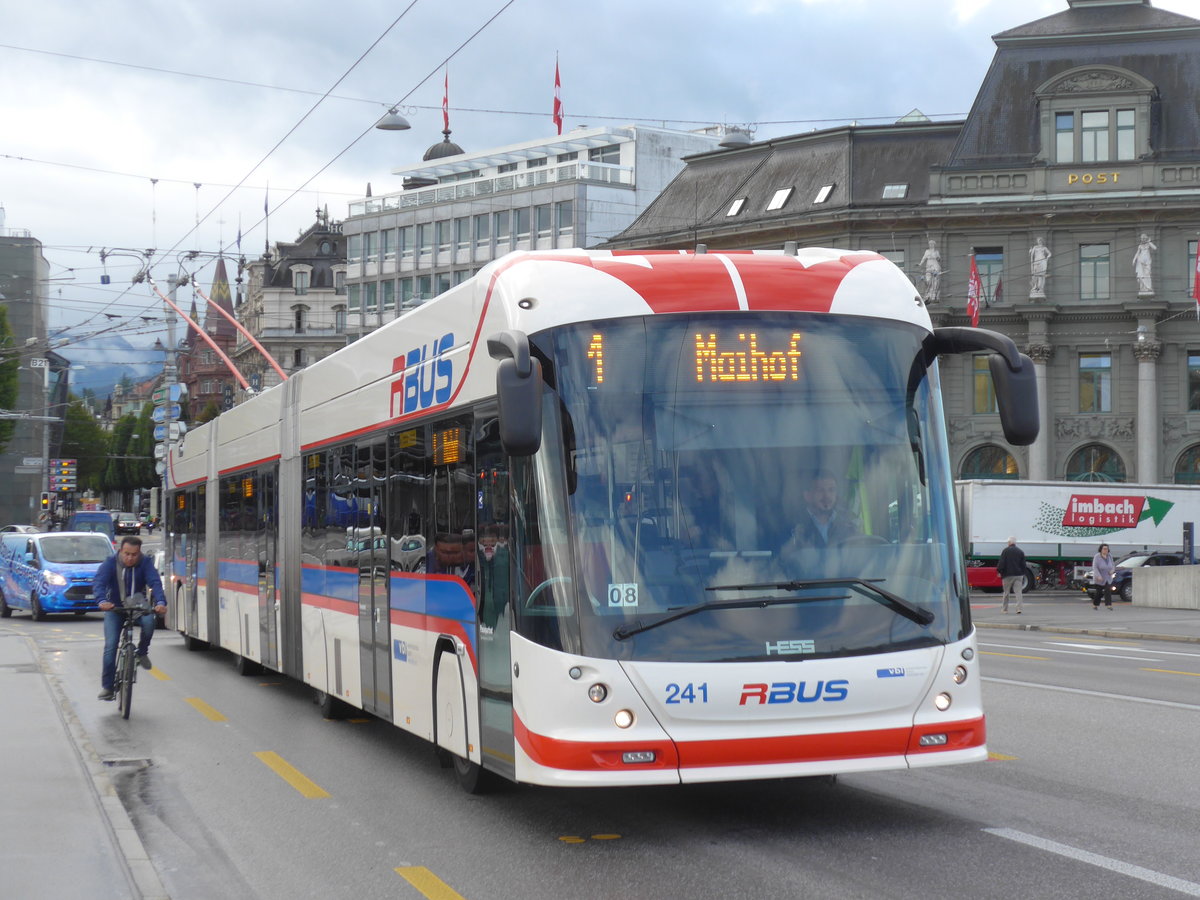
(20, 529)
(50, 573)
(126, 523)
(984, 577)
(1123, 576)
(97, 520)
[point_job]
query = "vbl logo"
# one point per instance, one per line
(427, 377)
(795, 692)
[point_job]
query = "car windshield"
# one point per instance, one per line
(75, 548)
(1131, 562)
(796, 501)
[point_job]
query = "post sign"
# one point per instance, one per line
(160, 394)
(160, 412)
(160, 451)
(177, 430)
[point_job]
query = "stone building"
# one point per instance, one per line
(201, 370)
(1073, 184)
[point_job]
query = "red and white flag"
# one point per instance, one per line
(974, 291)
(1196, 283)
(558, 107)
(998, 293)
(446, 102)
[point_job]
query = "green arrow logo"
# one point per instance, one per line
(1156, 510)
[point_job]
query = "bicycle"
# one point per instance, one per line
(127, 665)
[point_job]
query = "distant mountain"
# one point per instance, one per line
(99, 363)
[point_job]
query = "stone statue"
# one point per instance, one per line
(1142, 264)
(932, 264)
(1039, 264)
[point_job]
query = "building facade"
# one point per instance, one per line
(295, 304)
(205, 376)
(458, 211)
(24, 275)
(1073, 186)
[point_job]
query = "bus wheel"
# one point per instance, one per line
(35, 608)
(472, 777)
(328, 705)
(246, 666)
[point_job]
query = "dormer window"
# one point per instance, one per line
(1094, 114)
(736, 206)
(780, 197)
(823, 193)
(895, 191)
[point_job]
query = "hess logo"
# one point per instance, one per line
(426, 377)
(795, 692)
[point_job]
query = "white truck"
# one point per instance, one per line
(1060, 524)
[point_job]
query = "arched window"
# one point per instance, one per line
(1095, 462)
(1187, 468)
(989, 461)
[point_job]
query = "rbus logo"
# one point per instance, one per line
(427, 377)
(1112, 511)
(797, 692)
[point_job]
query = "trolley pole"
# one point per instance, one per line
(169, 376)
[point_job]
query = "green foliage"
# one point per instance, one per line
(210, 412)
(8, 379)
(86, 441)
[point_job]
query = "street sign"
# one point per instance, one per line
(31, 461)
(160, 412)
(178, 429)
(28, 470)
(160, 467)
(160, 451)
(39, 362)
(160, 394)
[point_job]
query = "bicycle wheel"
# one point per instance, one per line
(126, 674)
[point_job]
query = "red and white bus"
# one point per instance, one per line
(559, 521)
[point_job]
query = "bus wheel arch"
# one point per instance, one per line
(450, 719)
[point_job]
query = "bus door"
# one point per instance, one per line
(266, 537)
(493, 583)
(374, 609)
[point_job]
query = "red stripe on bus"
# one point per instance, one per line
(250, 465)
(771, 286)
(556, 753)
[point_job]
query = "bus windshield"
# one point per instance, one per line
(739, 487)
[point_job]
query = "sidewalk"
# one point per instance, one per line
(1071, 612)
(63, 830)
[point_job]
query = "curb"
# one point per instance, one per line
(135, 860)
(1065, 629)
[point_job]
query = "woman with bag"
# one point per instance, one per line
(1103, 569)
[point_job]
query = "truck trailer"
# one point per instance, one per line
(1060, 524)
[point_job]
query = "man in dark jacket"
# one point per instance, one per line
(125, 573)
(1011, 569)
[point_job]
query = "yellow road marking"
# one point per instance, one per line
(205, 710)
(427, 883)
(1172, 672)
(572, 839)
(160, 674)
(1000, 756)
(291, 774)
(606, 837)
(1013, 655)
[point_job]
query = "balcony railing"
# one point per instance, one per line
(592, 172)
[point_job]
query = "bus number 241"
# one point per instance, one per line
(688, 693)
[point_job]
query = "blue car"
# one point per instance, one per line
(50, 573)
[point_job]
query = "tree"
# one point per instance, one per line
(8, 378)
(84, 440)
(210, 412)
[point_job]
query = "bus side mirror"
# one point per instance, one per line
(519, 390)
(1012, 376)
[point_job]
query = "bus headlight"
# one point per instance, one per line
(597, 693)
(960, 674)
(624, 719)
(942, 701)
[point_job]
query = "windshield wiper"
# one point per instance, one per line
(894, 602)
(630, 629)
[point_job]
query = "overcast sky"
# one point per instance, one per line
(90, 117)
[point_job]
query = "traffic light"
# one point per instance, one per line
(45, 501)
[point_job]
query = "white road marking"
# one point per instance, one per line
(1047, 649)
(1190, 888)
(1104, 694)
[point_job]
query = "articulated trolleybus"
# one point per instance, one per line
(596, 518)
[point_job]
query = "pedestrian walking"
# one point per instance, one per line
(1011, 569)
(1103, 569)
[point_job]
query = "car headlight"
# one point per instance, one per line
(53, 578)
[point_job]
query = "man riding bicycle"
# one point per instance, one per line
(125, 573)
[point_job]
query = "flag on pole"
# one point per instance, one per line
(558, 107)
(998, 294)
(974, 289)
(1196, 283)
(446, 102)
